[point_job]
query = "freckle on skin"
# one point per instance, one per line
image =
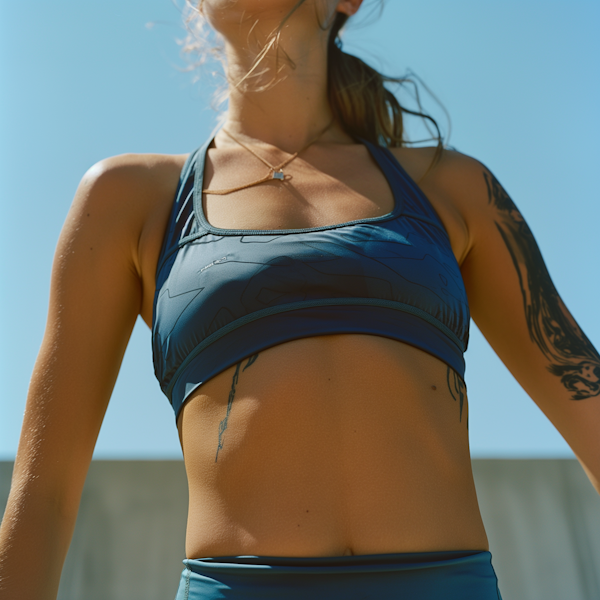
(433, 387)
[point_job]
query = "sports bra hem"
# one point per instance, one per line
(266, 333)
(273, 310)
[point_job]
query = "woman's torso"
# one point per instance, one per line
(337, 444)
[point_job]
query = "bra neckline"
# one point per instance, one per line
(373, 150)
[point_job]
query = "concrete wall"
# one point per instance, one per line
(543, 522)
(542, 519)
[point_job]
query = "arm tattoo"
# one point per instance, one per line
(234, 381)
(458, 389)
(570, 354)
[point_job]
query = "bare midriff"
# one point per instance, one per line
(332, 445)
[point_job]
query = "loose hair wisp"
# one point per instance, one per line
(358, 93)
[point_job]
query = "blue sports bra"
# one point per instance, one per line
(225, 294)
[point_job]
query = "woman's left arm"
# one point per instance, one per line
(520, 313)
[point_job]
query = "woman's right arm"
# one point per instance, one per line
(95, 297)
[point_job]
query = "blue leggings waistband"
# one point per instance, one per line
(456, 575)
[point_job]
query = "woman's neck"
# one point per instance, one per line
(286, 116)
(282, 100)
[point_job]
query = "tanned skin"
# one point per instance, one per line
(457, 389)
(323, 446)
(570, 354)
(234, 382)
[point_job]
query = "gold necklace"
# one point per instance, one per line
(275, 171)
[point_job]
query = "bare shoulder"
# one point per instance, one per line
(458, 176)
(122, 207)
(130, 183)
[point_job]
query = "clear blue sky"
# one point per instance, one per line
(80, 81)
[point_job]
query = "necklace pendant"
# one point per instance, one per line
(278, 175)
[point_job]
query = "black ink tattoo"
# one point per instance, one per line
(572, 356)
(234, 381)
(458, 389)
(251, 361)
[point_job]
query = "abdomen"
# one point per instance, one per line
(330, 445)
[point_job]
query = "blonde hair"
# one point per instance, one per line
(359, 98)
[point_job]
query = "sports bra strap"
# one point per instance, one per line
(417, 205)
(181, 222)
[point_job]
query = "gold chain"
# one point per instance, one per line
(276, 171)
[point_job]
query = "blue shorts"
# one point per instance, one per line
(459, 575)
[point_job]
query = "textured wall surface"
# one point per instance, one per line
(543, 522)
(542, 519)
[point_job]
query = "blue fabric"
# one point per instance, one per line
(223, 295)
(460, 575)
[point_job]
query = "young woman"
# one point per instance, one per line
(309, 281)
